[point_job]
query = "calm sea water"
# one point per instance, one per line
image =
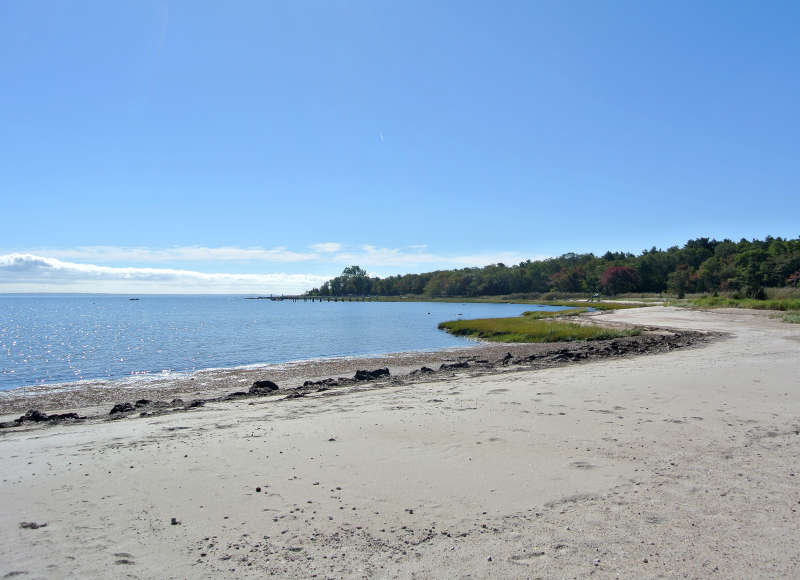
(62, 338)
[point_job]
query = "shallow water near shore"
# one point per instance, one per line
(47, 339)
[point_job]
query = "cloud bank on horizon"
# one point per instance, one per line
(54, 270)
(331, 252)
(31, 273)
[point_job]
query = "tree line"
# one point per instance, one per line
(745, 267)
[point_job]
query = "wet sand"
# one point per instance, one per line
(678, 463)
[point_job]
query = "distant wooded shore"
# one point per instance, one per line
(738, 270)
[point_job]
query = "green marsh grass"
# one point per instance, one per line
(532, 327)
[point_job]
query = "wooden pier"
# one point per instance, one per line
(304, 298)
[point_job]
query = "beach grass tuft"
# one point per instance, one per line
(793, 317)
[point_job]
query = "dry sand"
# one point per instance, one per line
(679, 464)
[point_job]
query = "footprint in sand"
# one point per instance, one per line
(123, 558)
(526, 559)
(582, 465)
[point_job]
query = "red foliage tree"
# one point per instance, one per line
(617, 279)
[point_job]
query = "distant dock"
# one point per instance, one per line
(304, 298)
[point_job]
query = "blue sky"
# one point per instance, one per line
(246, 146)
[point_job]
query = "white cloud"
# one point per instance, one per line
(327, 247)
(31, 273)
(181, 253)
(411, 258)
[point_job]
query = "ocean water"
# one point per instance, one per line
(47, 339)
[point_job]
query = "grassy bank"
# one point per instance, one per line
(598, 305)
(783, 304)
(532, 327)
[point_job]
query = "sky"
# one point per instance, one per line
(257, 146)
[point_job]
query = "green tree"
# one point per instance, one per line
(678, 281)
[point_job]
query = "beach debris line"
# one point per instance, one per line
(263, 387)
(456, 365)
(259, 388)
(324, 383)
(362, 375)
(36, 416)
(121, 408)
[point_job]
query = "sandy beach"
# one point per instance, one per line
(674, 464)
